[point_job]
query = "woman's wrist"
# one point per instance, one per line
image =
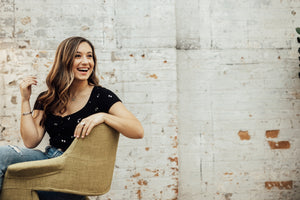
(27, 113)
(24, 100)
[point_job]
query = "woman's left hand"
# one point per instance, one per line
(87, 124)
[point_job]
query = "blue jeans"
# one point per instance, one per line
(12, 154)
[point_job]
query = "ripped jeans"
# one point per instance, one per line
(12, 154)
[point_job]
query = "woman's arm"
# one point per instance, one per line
(31, 131)
(118, 118)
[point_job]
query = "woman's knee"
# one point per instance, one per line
(11, 154)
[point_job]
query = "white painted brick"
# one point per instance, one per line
(239, 71)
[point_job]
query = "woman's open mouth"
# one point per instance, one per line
(83, 69)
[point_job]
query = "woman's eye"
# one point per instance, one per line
(77, 56)
(90, 56)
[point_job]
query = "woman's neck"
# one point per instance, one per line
(78, 87)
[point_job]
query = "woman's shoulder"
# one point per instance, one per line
(101, 89)
(38, 105)
(42, 93)
(105, 94)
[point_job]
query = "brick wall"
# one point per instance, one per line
(219, 75)
(238, 99)
(137, 60)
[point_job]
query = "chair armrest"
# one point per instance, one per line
(89, 161)
(35, 168)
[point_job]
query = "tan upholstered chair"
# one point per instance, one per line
(86, 168)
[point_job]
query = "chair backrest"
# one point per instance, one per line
(100, 144)
(92, 159)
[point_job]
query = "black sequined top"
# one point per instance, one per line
(61, 129)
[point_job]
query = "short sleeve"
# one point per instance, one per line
(107, 98)
(38, 104)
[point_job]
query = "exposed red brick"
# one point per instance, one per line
(244, 135)
(153, 76)
(175, 190)
(154, 171)
(136, 175)
(142, 182)
(175, 142)
(147, 148)
(228, 173)
(281, 185)
(175, 159)
(272, 133)
(139, 193)
(165, 61)
(279, 145)
(175, 168)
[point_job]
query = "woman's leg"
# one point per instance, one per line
(12, 154)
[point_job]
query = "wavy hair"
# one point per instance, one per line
(61, 76)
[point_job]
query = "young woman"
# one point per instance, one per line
(71, 107)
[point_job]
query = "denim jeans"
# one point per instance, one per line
(12, 154)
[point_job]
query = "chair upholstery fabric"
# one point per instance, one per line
(86, 168)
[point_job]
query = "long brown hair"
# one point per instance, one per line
(61, 76)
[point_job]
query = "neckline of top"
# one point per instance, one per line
(79, 109)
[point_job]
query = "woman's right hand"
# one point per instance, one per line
(25, 87)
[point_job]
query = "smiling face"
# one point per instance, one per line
(83, 63)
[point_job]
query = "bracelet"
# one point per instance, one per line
(27, 113)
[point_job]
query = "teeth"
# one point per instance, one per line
(83, 69)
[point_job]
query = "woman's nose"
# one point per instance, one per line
(84, 60)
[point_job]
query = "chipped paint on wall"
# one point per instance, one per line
(279, 145)
(244, 135)
(272, 133)
(281, 185)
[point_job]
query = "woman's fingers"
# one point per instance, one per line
(81, 128)
(29, 79)
(78, 129)
(25, 86)
(84, 128)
